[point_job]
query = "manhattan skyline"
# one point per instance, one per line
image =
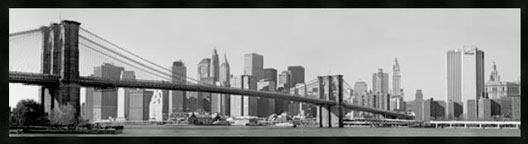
(355, 43)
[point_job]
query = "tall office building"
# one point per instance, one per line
(104, 101)
(271, 75)
(207, 99)
(464, 77)
(294, 108)
(157, 106)
(127, 75)
(254, 65)
(285, 80)
(359, 93)
(204, 76)
(396, 87)
(380, 87)
(215, 66)
(266, 106)
(178, 99)
(283, 87)
(225, 73)
(139, 105)
(297, 74)
(360, 87)
(224, 79)
(243, 105)
(204, 68)
(419, 105)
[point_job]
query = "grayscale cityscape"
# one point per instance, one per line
(267, 72)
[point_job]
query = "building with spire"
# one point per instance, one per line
(214, 68)
(496, 89)
(224, 80)
(396, 100)
(396, 87)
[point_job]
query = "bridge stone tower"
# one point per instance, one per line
(331, 88)
(60, 56)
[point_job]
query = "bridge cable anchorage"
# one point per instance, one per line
(129, 59)
(177, 75)
(154, 74)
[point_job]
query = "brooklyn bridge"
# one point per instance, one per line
(61, 81)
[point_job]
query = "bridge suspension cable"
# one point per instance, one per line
(94, 49)
(134, 61)
(24, 32)
(24, 48)
(137, 56)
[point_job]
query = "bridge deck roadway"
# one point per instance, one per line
(44, 79)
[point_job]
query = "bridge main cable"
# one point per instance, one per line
(159, 76)
(129, 59)
(163, 68)
(24, 32)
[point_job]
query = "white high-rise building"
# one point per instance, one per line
(241, 105)
(464, 77)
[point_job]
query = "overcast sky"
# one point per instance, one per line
(352, 42)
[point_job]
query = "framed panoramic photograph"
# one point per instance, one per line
(402, 73)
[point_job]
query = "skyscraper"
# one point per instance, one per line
(104, 101)
(224, 79)
(204, 76)
(419, 105)
(360, 93)
(285, 80)
(464, 77)
(360, 87)
(243, 105)
(254, 65)
(380, 87)
(204, 68)
(127, 75)
(396, 78)
(178, 99)
(266, 106)
(297, 74)
(271, 75)
(139, 105)
(215, 66)
(225, 73)
(283, 87)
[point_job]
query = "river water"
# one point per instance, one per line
(267, 131)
